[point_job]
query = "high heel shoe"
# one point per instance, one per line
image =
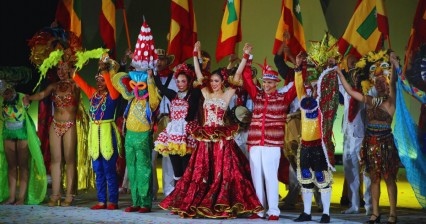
(69, 198)
(372, 221)
(55, 200)
(395, 219)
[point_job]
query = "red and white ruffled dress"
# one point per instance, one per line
(217, 182)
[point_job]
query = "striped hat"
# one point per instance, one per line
(268, 73)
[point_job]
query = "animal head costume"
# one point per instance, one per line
(372, 66)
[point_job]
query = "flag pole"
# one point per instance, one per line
(389, 42)
(127, 27)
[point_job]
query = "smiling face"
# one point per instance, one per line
(63, 71)
(216, 82)
(182, 82)
(269, 86)
(100, 83)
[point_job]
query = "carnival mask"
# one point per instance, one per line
(378, 69)
(139, 83)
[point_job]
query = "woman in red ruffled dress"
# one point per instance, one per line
(217, 182)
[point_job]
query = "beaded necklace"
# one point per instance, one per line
(98, 100)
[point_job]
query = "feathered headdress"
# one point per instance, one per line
(368, 65)
(321, 51)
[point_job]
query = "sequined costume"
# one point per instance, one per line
(138, 138)
(313, 167)
(378, 152)
(217, 181)
(17, 124)
(313, 157)
(61, 127)
(104, 138)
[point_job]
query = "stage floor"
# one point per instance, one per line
(409, 211)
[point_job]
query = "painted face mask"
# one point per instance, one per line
(138, 84)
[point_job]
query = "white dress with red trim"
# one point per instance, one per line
(175, 139)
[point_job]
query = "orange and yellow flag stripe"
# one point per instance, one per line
(230, 30)
(290, 21)
(107, 25)
(68, 15)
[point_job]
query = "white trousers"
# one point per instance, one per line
(167, 175)
(264, 163)
(352, 147)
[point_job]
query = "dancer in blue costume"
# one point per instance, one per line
(104, 138)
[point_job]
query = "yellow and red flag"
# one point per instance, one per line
(107, 24)
(68, 15)
(367, 29)
(290, 21)
(183, 31)
(230, 30)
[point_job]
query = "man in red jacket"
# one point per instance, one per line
(266, 136)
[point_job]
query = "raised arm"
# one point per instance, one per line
(88, 90)
(393, 76)
(299, 82)
(154, 98)
(232, 60)
(356, 95)
(247, 50)
(248, 83)
(284, 50)
(237, 77)
(197, 51)
(112, 91)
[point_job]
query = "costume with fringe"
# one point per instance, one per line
(104, 138)
(379, 155)
(48, 46)
(217, 181)
(316, 152)
(37, 182)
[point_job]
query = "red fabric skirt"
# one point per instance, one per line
(217, 182)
